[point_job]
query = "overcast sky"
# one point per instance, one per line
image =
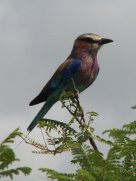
(35, 37)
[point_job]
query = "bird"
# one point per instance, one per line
(81, 66)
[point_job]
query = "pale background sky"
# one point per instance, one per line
(35, 37)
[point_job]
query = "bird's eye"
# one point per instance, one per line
(89, 40)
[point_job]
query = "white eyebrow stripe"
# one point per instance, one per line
(93, 36)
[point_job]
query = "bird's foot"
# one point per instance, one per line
(75, 89)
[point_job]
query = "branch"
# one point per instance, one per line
(70, 101)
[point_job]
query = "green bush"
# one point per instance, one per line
(118, 165)
(7, 157)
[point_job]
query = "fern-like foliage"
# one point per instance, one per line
(52, 174)
(118, 165)
(123, 151)
(50, 124)
(7, 157)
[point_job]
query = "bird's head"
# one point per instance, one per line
(90, 42)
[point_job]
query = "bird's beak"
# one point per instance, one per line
(105, 41)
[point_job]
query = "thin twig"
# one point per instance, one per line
(45, 149)
(43, 138)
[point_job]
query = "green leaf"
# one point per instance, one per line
(7, 157)
(51, 124)
(11, 172)
(52, 174)
(92, 113)
(133, 107)
(10, 138)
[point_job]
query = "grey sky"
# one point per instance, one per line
(36, 36)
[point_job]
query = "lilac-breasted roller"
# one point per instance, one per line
(81, 66)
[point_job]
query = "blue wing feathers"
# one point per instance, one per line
(64, 72)
(54, 84)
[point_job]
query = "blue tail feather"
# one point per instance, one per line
(40, 115)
